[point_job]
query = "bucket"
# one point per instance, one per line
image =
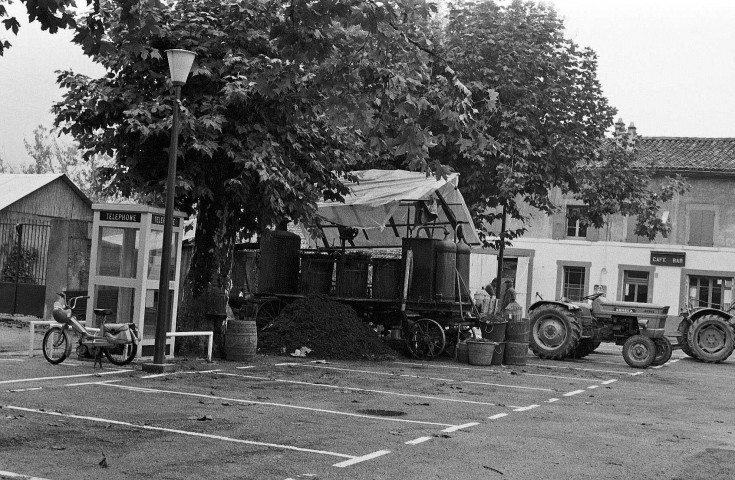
(495, 331)
(241, 340)
(463, 353)
(517, 332)
(481, 353)
(515, 353)
(499, 354)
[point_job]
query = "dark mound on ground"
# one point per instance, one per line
(331, 329)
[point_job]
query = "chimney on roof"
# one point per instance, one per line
(620, 126)
(632, 130)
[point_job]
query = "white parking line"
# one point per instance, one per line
(552, 400)
(273, 404)
(525, 409)
(560, 377)
(546, 365)
(61, 377)
(421, 377)
(24, 389)
(507, 386)
(156, 375)
(608, 382)
(497, 416)
(459, 427)
(11, 360)
(416, 441)
(575, 392)
(90, 383)
(351, 458)
(18, 475)
(356, 389)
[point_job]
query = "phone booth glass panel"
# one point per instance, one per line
(125, 268)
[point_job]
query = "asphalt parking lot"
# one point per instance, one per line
(288, 418)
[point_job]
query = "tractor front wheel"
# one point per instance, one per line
(555, 332)
(639, 351)
(663, 351)
(711, 338)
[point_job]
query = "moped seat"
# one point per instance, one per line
(102, 311)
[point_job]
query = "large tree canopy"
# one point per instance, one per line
(283, 99)
(550, 123)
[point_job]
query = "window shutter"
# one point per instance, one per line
(695, 227)
(593, 234)
(708, 228)
(559, 225)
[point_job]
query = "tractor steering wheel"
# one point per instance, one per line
(593, 296)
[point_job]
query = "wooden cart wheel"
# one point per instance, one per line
(267, 312)
(425, 339)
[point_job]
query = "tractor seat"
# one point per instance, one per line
(102, 311)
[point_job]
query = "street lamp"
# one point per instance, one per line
(179, 63)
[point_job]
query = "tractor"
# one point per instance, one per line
(562, 329)
(706, 333)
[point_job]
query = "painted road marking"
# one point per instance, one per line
(351, 458)
(552, 400)
(18, 475)
(422, 377)
(61, 377)
(384, 392)
(355, 460)
(459, 427)
(608, 382)
(416, 441)
(525, 409)
(507, 386)
(156, 375)
(497, 416)
(592, 387)
(575, 392)
(11, 360)
(91, 383)
(581, 369)
(24, 389)
(273, 404)
(579, 379)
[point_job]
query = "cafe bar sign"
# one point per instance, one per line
(668, 259)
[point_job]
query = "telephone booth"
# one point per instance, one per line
(125, 267)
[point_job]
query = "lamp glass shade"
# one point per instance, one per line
(179, 63)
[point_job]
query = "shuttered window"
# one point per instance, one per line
(575, 228)
(701, 228)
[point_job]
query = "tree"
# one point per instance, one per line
(550, 125)
(50, 155)
(283, 99)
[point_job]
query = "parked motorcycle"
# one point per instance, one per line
(117, 341)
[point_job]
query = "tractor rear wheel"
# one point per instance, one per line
(555, 332)
(711, 338)
(682, 337)
(639, 351)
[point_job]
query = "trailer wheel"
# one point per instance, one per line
(663, 351)
(711, 338)
(267, 312)
(682, 338)
(425, 339)
(555, 332)
(639, 351)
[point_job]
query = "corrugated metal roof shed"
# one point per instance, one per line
(15, 186)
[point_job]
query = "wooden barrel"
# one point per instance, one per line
(241, 340)
(515, 353)
(481, 353)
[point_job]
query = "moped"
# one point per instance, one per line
(117, 341)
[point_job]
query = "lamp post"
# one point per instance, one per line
(179, 63)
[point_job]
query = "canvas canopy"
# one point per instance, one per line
(385, 206)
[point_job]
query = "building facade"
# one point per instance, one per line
(558, 256)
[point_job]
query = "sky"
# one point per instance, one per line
(666, 65)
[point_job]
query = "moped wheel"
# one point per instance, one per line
(121, 354)
(56, 345)
(639, 351)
